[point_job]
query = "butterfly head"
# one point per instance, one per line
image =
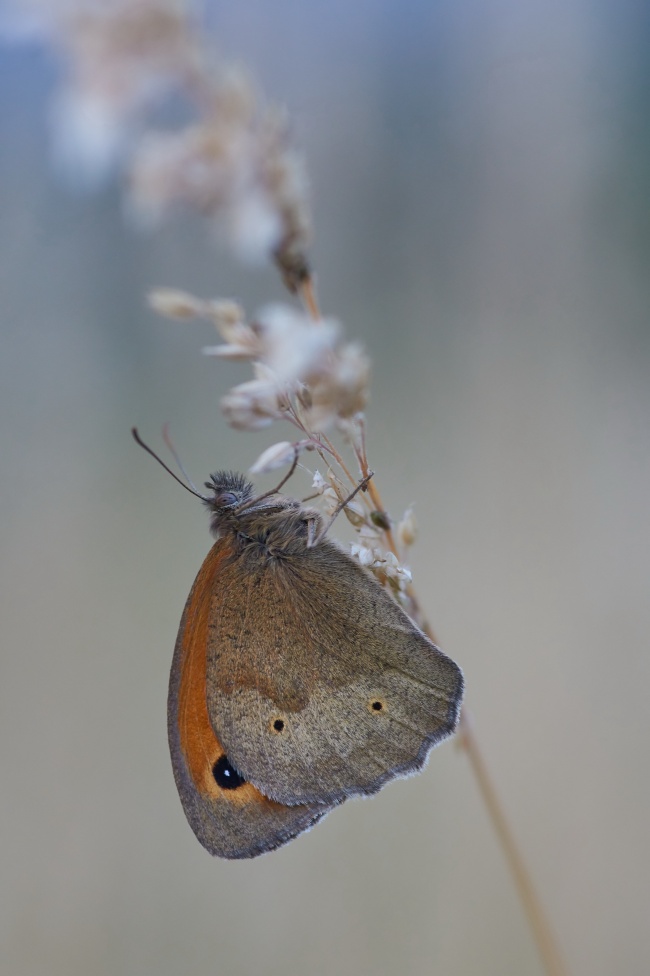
(234, 506)
(227, 492)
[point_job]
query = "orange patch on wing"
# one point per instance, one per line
(199, 744)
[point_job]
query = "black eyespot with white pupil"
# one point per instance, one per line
(225, 775)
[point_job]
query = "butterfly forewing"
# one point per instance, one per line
(228, 814)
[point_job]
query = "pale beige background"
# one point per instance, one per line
(480, 182)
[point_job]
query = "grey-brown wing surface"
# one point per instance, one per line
(336, 693)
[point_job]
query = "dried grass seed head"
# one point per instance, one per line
(120, 58)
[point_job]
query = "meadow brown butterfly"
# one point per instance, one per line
(297, 681)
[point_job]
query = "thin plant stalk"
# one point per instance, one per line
(535, 914)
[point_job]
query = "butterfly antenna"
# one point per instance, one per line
(168, 441)
(192, 490)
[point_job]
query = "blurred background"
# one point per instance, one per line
(479, 178)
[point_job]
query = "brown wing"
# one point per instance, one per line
(319, 685)
(229, 816)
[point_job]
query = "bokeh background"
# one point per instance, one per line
(480, 193)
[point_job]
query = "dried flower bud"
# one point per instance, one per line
(274, 457)
(365, 556)
(352, 378)
(407, 528)
(355, 513)
(293, 265)
(175, 304)
(380, 519)
(243, 340)
(394, 569)
(385, 566)
(226, 315)
(340, 388)
(252, 405)
(235, 352)
(265, 374)
(296, 347)
(318, 483)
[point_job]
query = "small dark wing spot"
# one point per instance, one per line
(278, 725)
(376, 705)
(226, 776)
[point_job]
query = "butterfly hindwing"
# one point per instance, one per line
(320, 690)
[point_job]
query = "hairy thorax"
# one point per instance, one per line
(276, 536)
